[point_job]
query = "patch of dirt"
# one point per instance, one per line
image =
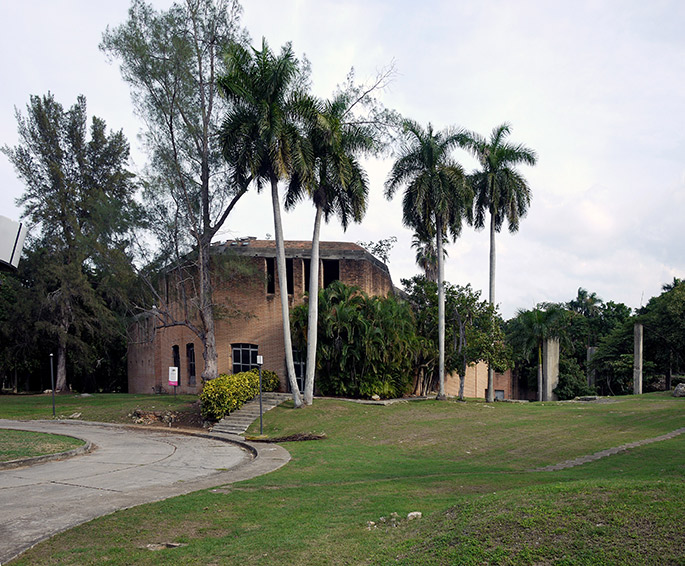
(299, 437)
(190, 418)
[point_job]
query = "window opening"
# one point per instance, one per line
(270, 275)
(190, 357)
(244, 357)
(331, 271)
(176, 355)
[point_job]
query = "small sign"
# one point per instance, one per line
(260, 360)
(173, 376)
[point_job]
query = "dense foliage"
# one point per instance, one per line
(366, 345)
(71, 292)
(473, 331)
(229, 392)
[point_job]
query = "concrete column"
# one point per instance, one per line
(637, 360)
(550, 368)
(591, 374)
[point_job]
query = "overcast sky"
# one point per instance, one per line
(596, 88)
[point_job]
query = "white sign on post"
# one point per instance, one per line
(173, 376)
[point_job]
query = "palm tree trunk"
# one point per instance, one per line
(283, 284)
(441, 313)
(490, 397)
(313, 315)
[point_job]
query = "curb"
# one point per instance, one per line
(23, 462)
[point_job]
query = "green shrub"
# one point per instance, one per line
(227, 393)
(572, 381)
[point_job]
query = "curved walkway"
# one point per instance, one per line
(127, 466)
(608, 452)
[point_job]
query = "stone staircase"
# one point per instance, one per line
(238, 421)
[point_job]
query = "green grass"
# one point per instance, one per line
(102, 407)
(18, 444)
(465, 466)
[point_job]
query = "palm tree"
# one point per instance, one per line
(436, 200)
(532, 328)
(426, 257)
(500, 190)
(262, 141)
(338, 186)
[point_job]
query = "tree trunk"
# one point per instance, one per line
(313, 315)
(283, 285)
(61, 378)
(441, 313)
(490, 397)
(209, 354)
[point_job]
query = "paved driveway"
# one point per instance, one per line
(126, 467)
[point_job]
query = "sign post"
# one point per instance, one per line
(260, 361)
(52, 383)
(173, 378)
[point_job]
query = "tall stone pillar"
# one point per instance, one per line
(637, 360)
(591, 373)
(550, 368)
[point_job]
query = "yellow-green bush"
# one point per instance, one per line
(227, 393)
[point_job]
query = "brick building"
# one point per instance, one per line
(250, 321)
(250, 309)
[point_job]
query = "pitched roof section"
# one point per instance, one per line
(299, 249)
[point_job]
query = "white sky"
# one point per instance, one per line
(597, 88)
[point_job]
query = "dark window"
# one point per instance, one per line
(244, 357)
(300, 359)
(307, 267)
(176, 355)
(270, 275)
(331, 271)
(190, 357)
(289, 275)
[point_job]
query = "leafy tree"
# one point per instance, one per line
(171, 60)
(572, 381)
(79, 199)
(500, 191)
(380, 249)
(664, 320)
(468, 332)
(435, 203)
(529, 330)
(262, 138)
(366, 345)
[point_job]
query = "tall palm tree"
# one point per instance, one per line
(436, 201)
(261, 139)
(338, 186)
(500, 191)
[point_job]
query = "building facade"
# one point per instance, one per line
(248, 307)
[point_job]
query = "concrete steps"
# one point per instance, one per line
(238, 421)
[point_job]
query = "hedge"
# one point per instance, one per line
(227, 393)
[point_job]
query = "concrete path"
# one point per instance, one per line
(608, 452)
(126, 467)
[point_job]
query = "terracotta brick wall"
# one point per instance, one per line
(252, 316)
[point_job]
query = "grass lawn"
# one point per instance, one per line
(102, 407)
(17, 444)
(465, 466)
